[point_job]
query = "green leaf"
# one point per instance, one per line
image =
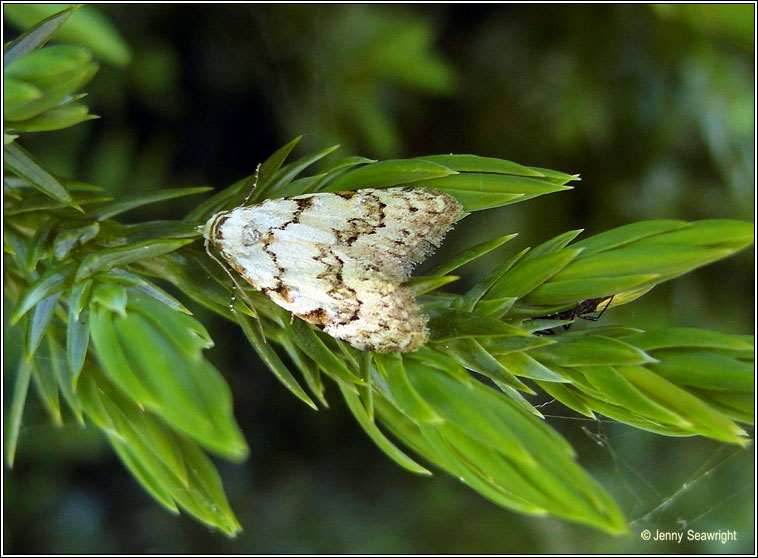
(111, 296)
(472, 297)
(68, 239)
(511, 343)
(33, 38)
(479, 411)
(440, 361)
(472, 355)
(616, 389)
(145, 288)
(384, 444)
(187, 335)
(17, 93)
(39, 246)
(522, 364)
(722, 233)
(475, 163)
(21, 163)
(495, 307)
(530, 273)
(446, 324)
(78, 298)
(149, 231)
(707, 421)
(35, 201)
(591, 350)
(739, 407)
(48, 366)
(155, 369)
(127, 203)
(478, 191)
(308, 342)
(270, 166)
(20, 388)
(56, 118)
(423, 284)
(172, 469)
(197, 276)
(88, 27)
(58, 71)
(273, 362)
(38, 322)
(389, 173)
(404, 395)
(63, 376)
(310, 371)
(278, 185)
(665, 260)
(469, 469)
(108, 258)
(560, 295)
(704, 370)
(555, 244)
(470, 254)
(688, 337)
(77, 341)
(548, 480)
(627, 234)
(113, 359)
(337, 169)
(568, 396)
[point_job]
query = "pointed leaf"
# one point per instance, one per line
(20, 388)
(385, 174)
(34, 38)
(21, 163)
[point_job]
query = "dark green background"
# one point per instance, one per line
(654, 107)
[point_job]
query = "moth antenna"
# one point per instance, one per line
(235, 288)
(255, 185)
(610, 299)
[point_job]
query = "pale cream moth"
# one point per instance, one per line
(338, 260)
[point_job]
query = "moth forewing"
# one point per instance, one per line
(338, 260)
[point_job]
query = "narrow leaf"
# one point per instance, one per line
(475, 163)
(20, 162)
(384, 444)
(307, 340)
(38, 322)
(20, 388)
(34, 38)
(277, 187)
(88, 27)
(405, 396)
(389, 173)
(127, 203)
(448, 324)
(111, 257)
(468, 255)
(272, 361)
(77, 341)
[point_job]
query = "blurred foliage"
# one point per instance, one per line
(658, 119)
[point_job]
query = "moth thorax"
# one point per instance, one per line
(210, 229)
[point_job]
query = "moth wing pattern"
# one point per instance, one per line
(338, 260)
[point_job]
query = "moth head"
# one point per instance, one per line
(210, 228)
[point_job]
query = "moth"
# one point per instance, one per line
(338, 260)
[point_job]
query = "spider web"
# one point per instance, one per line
(693, 494)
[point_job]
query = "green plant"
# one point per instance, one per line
(75, 274)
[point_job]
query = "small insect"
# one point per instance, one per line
(581, 311)
(338, 260)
